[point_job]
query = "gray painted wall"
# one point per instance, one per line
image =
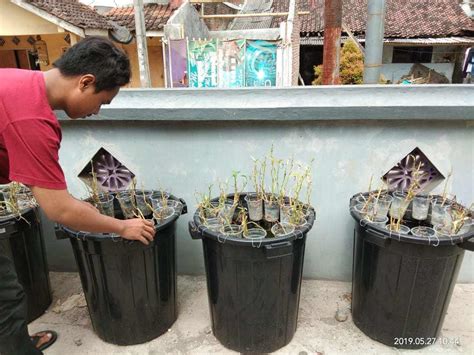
(189, 155)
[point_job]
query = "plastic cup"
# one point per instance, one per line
(466, 226)
(401, 230)
(282, 229)
(382, 205)
(423, 232)
(177, 205)
(22, 200)
(378, 221)
(232, 230)
(125, 201)
(442, 230)
(421, 205)
(255, 234)
(162, 214)
(272, 211)
(399, 205)
(285, 213)
(143, 200)
(106, 205)
(227, 211)
(365, 209)
(211, 211)
(158, 198)
(361, 198)
(214, 224)
(255, 207)
(439, 212)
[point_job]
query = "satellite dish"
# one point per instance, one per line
(120, 33)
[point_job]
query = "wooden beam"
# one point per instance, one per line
(261, 14)
(354, 38)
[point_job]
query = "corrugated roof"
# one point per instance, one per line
(74, 12)
(253, 7)
(427, 41)
(156, 16)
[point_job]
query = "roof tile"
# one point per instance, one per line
(156, 16)
(74, 12)
(404, 18)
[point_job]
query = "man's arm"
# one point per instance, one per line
(62, 208)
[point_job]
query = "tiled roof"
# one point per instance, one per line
(403, 18)
(156, 16)
(74, 12)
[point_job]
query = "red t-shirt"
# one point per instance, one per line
(30, 134)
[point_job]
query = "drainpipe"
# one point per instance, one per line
(374, 41)
(142, 49)
(332, 41)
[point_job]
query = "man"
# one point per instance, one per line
(86, 77)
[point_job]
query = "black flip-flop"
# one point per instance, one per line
(36, 338)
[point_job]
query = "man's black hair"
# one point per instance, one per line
(97, 56)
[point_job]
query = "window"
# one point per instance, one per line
(412, 54)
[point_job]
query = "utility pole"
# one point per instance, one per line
(374, 41)
(332, 41)
(142, 50)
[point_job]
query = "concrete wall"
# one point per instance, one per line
(186, 23)
(187, 139)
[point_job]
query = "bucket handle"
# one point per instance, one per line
(59, 232)
(278, 250)
(194, 230)
(375, 237)
(184, 210)
(467, 244)
(9, 227)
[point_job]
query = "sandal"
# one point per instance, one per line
(36, 339)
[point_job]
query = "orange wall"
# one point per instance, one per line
(56, 44)
(155, 59)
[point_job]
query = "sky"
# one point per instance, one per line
(114, 3)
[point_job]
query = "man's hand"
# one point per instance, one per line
(62, 208)
(138, 229)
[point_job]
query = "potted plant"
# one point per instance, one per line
(252, 247)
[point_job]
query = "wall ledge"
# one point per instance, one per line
(361, 102)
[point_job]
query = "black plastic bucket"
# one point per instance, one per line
(22, 240)
(253, 287)
(130, 288)
(402, 285)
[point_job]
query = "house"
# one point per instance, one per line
(156, 16)
(34, 33)
(435, 33)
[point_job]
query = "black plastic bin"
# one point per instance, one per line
(130, 288)
(253, 288)
(22, 239)
(402, 285)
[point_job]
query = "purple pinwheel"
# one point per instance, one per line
(111, 174)
(401, 175)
